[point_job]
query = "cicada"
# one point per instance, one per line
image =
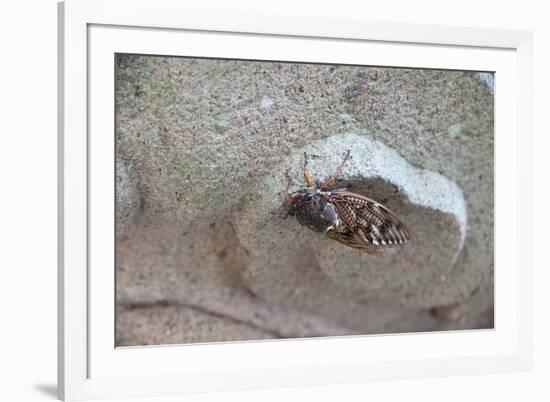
(352, 219)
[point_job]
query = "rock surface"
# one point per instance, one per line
(202, 146)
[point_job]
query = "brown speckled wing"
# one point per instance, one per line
(367, 222)
(351, 240)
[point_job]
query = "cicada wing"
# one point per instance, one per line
(352, 240)
(369, 221)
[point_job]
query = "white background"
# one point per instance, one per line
(28, 200)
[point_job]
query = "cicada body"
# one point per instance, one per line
(351, 219)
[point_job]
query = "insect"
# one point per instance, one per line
(352, 219)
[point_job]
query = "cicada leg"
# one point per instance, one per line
(288, 198)
(307, 176)
(288, 184)
(332, 178)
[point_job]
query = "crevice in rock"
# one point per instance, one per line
(200, 309)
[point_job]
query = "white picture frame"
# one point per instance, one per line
(91, 32)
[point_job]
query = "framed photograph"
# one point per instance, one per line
(253, 201)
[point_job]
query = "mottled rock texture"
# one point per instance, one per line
(202, 146)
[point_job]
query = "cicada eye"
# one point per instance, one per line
(308, 197)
